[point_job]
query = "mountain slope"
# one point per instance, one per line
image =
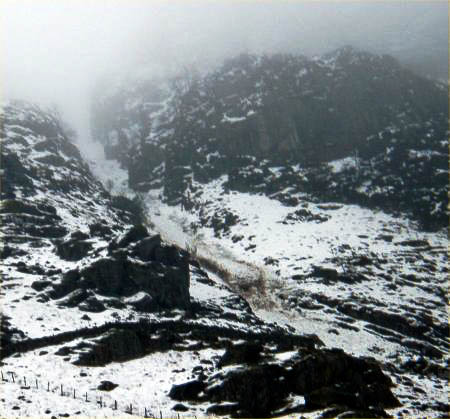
(369, 283)
(345, 242)
(257, 112)
(97, 308)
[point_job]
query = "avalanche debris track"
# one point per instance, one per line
(362, 280)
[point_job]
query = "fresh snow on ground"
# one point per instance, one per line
(295, 247)
(144, 383)
(300, 246)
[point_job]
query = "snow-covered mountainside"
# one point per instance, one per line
(255, 113)
(364, 281)
(316, 189)
(264, 240)
(105, 314)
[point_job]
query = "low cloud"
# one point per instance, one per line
(53, 51)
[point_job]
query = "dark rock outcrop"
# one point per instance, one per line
(145, 248)
(117, 345)
(76, 247)
(149, 274)
(107, 386)
(187, 391)
(242, 353)
(324, 377)
(92, 304)
(257, 390)
(257, 113)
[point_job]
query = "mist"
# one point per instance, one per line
(52, 52)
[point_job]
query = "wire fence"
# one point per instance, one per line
(101, 399)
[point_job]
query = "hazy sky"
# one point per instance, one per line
(53, 50)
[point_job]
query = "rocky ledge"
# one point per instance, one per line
(139, 272)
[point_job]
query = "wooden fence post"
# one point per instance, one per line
(48, 385)
(86, 397)
(37, 386)
(74, 393)
(160, 414)
(115, 404)
(62, 393)
(2, 376)
(131, 409)
(145, 412)
(25, 381)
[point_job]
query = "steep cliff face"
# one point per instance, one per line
(292, 109)
(285, 110)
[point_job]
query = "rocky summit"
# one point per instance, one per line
(262, 240)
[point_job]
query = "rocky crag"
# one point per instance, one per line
(295, 113)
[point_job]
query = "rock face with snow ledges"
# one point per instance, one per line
(254, 113)
(53, 209)
(147, 278)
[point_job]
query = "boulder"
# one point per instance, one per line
(92, 304)
(222, 409)
(79, 235)
(362, 376)
(69, 282)
(142, 301)
(145, 248)
(258, 390)
(75, 248)
(187, 391)
(328, 396)
(40, 284)
(414, 243)
(107, 386)
(106, 276)
(326, 273)
(325, 378)
(180, 407)
(168, 285)
(242, 353)
(169, 255)
(135, 233)
(115, 346)
(74, 298)
(100, 229)
(8, 251)
(121, 276)
(367, 413)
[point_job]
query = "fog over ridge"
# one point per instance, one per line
(53, 52)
